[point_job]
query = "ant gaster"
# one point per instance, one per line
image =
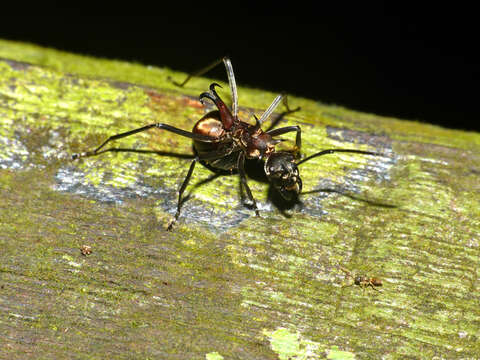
(223, 141)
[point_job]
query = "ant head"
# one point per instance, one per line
(282, 172)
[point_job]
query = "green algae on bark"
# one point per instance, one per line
(224, 282)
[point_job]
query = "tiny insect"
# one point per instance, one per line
(223, 141)
(86, 250)
(363, 281)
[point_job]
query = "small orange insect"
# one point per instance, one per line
(86, 250)
(363, 281)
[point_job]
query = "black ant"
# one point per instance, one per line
(223, 141)
(363, 281)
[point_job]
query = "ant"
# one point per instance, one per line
(363, 281)
(223, 141)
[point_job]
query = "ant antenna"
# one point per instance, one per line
(331, 151)
(233, 85)
(271, 108)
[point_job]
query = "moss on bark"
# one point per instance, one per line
(224, 283)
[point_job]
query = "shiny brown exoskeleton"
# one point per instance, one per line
(234, 138)
(223, 141)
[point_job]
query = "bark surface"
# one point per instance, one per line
(224, 283)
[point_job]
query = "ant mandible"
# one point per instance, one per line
(223, 141)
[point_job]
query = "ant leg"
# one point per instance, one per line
(285, 103)
(180, 193)
(198, 72)
(331, 151)
(284, 130)
(243, 179)
(373, 287)
(230, 75)
(175, 130)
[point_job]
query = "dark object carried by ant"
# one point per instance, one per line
(363, 281)
(223, 141)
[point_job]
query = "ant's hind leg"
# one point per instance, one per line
(231, 79)
(180, 193)
(285, 103)
(197, 73)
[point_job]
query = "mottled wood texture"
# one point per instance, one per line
(224, 283)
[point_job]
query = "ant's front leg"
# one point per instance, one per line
(243, 181)
(287, 129)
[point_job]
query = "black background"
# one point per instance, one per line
(413, 63)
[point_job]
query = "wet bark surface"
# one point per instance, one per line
(224, 283)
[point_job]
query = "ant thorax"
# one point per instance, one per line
(261, 146)
(253, 140)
